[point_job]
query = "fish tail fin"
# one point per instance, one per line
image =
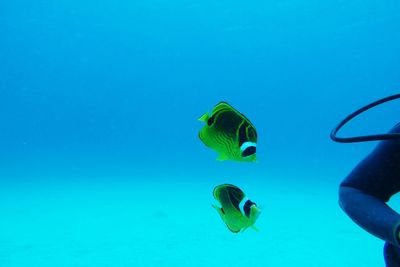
(204, 117)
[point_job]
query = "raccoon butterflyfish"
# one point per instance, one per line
(237, 211)
(229, 133)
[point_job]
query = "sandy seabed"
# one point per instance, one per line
(160, 223)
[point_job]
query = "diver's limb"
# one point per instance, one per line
(371, 213)
(392, 255)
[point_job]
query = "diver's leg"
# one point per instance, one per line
(368, 212)
(391, 254)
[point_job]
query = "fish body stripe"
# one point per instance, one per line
(227, 121)
(241, 205)
(225, 141)
(246, 133)
(247, 145)
(242, 133)
(247, 207)
(214, 116)
(251, 150)
(235, 196)
(227, 106)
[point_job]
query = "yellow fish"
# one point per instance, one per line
(237, 211)
(229, 133)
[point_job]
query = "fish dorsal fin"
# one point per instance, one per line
(227, 187)
(217, 190)
(223, 105)
(204, 117)
(230, 195)
(220, 106)
(226, 106)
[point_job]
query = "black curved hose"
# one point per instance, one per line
(366, 137)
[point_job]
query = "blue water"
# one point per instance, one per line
(100, 163)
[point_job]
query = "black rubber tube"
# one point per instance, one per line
(365, 138)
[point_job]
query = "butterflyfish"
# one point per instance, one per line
(237, 211)
(229, 133)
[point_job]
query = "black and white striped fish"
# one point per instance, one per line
(237, 211)
(230, 133)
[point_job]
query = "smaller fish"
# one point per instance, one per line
(237, 211)
(229, 133)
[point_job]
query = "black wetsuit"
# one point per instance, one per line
(365, 191)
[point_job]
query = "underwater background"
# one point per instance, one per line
(100, 161)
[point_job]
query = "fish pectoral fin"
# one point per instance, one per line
(204, 117)
(255, 228)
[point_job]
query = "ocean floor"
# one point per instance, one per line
(157, 222)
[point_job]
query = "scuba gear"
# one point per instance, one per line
(365, 138)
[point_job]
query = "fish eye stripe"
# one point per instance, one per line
(242, 204)
(251, 150)
(246, 145)
(247, 207)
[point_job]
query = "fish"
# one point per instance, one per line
(237, 211)
(229, 133)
